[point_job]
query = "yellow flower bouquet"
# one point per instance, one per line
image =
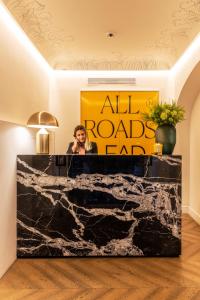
(165, 114)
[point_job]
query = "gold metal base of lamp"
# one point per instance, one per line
(42, 141)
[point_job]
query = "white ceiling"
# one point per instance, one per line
(71, 34)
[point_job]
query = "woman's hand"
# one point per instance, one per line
(75, 146)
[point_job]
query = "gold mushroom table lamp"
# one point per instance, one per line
(42, 120)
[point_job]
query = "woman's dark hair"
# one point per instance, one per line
(79, 127)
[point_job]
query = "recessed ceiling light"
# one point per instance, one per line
(110, 34)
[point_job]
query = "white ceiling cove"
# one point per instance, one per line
(72, 34)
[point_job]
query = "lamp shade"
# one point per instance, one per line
(42, 119)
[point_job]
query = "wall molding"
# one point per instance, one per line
(191, 212)
(194, 215)
(185, 209)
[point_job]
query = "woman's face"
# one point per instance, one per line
(81, 136)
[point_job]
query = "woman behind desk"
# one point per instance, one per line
(81, 144)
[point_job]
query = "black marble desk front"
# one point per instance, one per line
(98, 205)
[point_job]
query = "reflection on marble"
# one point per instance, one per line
(98, 205)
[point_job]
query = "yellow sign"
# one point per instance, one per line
(113, 120)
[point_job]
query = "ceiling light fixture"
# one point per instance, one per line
(110, 34)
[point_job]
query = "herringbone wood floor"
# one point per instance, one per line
(109, 278)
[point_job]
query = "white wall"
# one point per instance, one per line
(14, 140)
(188, 78)
(24, 75)
(179, 76)
(194, 177)
(65, 96)
(24, 86)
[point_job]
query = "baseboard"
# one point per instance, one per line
(6, 267)
(194, 215)
(191, 212)
(185, 209)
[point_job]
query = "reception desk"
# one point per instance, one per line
(98, 205)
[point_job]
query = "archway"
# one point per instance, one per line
(187, 98)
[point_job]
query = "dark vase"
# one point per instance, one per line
(166, 135)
